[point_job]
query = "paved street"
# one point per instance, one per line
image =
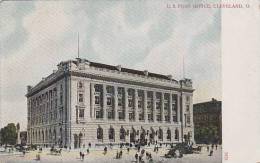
(98, 156)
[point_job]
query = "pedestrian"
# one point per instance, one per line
(80, 155)
(120, 154)
(88, 151)
(83, 155)
(207, 148)
(216, 146)
(212, 146)
(211, 152)
(105, 150)
(136, 157)
(128, 149)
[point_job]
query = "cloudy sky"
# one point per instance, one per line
(36, 36)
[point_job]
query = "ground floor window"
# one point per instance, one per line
(100, 133)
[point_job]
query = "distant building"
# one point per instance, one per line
(23, 137)
(85, 103)
(207, 115)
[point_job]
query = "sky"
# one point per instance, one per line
(139, 34)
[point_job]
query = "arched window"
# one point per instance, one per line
(160, 134)
(176, 134)
(122, 133)
(111, 134)
(169, 134)
(100, 133)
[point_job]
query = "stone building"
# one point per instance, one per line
(86, 103)
(208, 115)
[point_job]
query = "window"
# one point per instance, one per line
(111, 134)
(122, 133)
(109, 89)
(109, 101)
(158, 117)
(141, 116)
(81, 113)
(158, 105)
(100, 133)
(120, 101)
(167, 118)
(149, 104)
(98, 114)
(139, 104)
(160, 134)
(110, 115)
(188, 119)
(80, 97)
(120, 91)
(149, 117)
(80, 85)
(176, 134)
(187, 107)
(187, 98)
(169, 134)
(131, 116)
(97, 100)
(121, 115)
(174, 118)
(130, 103)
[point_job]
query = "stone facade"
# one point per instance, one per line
(86, 103)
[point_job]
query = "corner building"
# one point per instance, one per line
(86, 103)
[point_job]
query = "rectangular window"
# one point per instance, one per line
(149, 104)
(120, 101)
(109, 101)
(109, 89)
(131, 116)
(130, 103)
(187, 107)
(98, 114)
(81, 113)
(188, 119)
(97, 100)
(139, 104)
(187, 98)
(110, 115)
(80, 97)
(121, 115)
(141, 116)
(149, 117)
(174, 118)
(158, 105)
(158, 117)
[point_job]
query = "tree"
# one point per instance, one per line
(9, 134)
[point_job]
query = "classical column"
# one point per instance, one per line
(104, 102)
(170, 108)
(126, 104)
(116, 102)
(92, 100)
(162, 107)
(178, 105)
(145, 106)
(154, 106)
(136, 105)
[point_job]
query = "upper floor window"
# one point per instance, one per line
(80, 85)
(80, 97)
(109, 89)
(120, 90)
(130, 103)
(139, 104)
(187, 98)
(120, 101)
(187, 107)
(81, 113)
(109, 101)
(97, 100)
(149, 104)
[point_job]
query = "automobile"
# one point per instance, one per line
(2, 149)
(183, 148)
